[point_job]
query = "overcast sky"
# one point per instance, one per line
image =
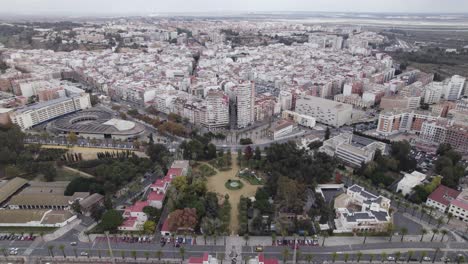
(164, 6)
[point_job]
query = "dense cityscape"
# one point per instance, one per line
(255, 138)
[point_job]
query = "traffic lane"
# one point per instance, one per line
(156, 246)
(373, 246)
(74, 252)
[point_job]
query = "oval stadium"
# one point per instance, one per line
(96, 123)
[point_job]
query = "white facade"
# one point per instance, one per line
(245, 100)
(217, 110)
(285, 99)
(433, 92)
(459, 206)
(35, 114)
(303, 120)
(454, 88)
(325, 111)
(409, 181)
(341, 147)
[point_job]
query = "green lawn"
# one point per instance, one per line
(26, 230)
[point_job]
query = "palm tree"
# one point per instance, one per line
(371, 257)
(423, 254)
(410, 255)
(62, 248)
(4, 251)
(298, 255)
(358, 256)
(460, 259)
(390, 229)
(383, 256)
(423, 232)
(434, 232)
(365, 237)
(159, 254)
(414, 209)
(221, 257)
(285, 254)
(444, 232)
(403, 231)
(439, 221)
(305, 234)
(76, 253)
(41, 234)
(449, 217)
(182, 253)
(246, 238)
(122, 254)
(435, 254)
(309, 258)
(397, 256)
(99, 253)
(334, 255)
(346, 257)
(325, 235)
(205, 236)
(147, 254)
(273, 239)
(51, 250)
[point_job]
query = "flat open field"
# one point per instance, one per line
(216, 184)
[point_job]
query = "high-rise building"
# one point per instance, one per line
(433, 92)
(454, 88)
(217, 110)
(245, 102)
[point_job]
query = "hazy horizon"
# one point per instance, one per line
(140, 7)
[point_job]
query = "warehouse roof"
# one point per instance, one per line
(11, 187)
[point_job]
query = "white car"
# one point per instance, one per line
(427, 259)
(84, 254)
(391, 258)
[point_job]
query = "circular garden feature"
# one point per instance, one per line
(233, 184)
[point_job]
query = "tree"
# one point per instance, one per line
(62, 248)
(397, 256)
(371, 257)
(157, 153)
(285, 254)
(248, 153)
(147, 254)
(434, 232)
(273, 239)
(180, 183)
(152, 212)
(159, 254)
(183, 219)
(423, 255)
(72, 138)
(258, 154)
(440, 221)
(50, 248)
(410, 255)
(359, 256)
(346, 257)
(444, 232)
(449, 217)
(327, 133)
(149, 227)
(383, 256)
(221, 257)
(309, 258)
(365, 237)
(134, 254)
(324, 235)
(122, 254)
(76, 207)
(111, 219)
(246, 238)
(423, 232)
(334, 256)
(182, 253)
(403, 231)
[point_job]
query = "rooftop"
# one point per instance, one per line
(11, 187)
(443, 195)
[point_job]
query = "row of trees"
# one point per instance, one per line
(449, 166)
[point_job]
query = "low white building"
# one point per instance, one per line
(441, 198)
(281, 129)
(409, 181)
(459, 206)
(302, 120)
(325, 111)
(353, 152)
(358, 210)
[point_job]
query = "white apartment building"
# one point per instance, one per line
(409, 181)
(285, 99)
(325, 111)
(217, 110)
(433, 92)
(459, 206)
(353, 153)
(245, 103)
(454, 88)
(441, 198)
(35, 114)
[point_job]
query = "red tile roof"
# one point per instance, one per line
(159, 183)
(129, 222)
(137, 207)
(165, 227)
(443, 195)
(156, 196)
(460, 203)
(195, 260)
(174, 172)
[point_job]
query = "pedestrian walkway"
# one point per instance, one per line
(234, 249)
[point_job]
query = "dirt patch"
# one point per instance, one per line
(217, 182)
(91, 153)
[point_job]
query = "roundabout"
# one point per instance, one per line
(233, 184)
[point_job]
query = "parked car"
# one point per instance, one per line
(258, 249)
(84, 254)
